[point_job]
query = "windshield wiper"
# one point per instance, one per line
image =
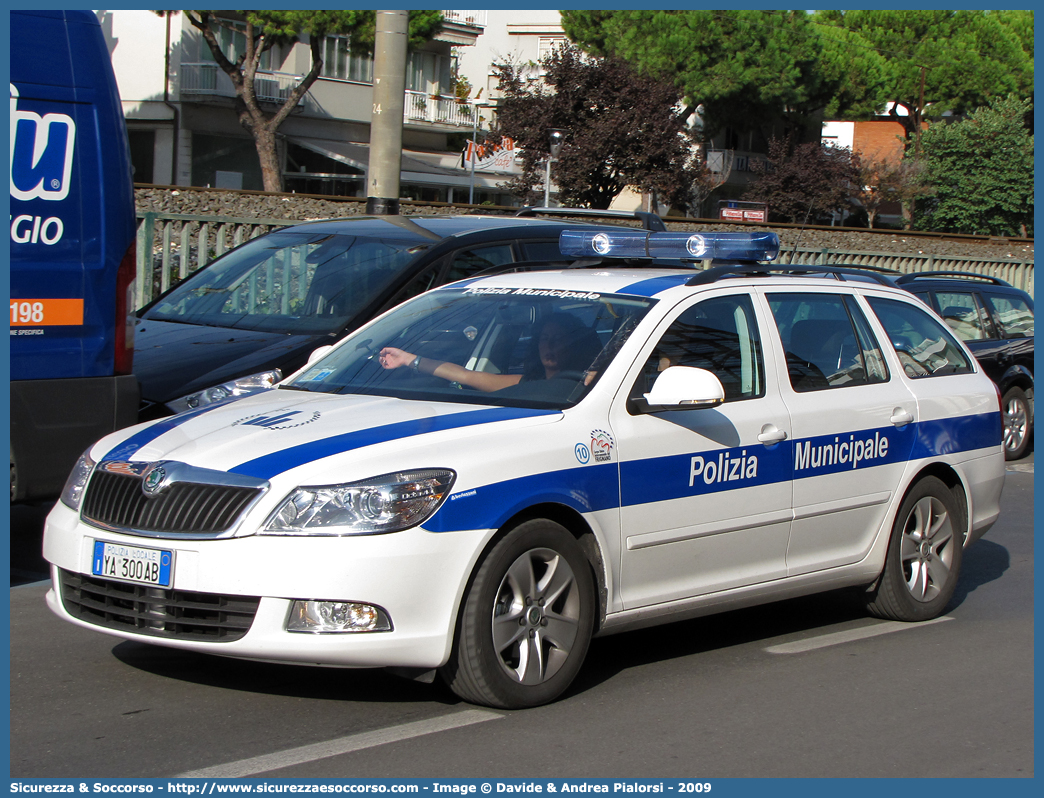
(325, 389)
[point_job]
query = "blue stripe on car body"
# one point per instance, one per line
(637, 482)
(585, 489)
(127, 449)
(654, 285)
(270, 465)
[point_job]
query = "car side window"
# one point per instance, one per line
(719, 335)
(925, 347)
(1013, 314)
(418, 285)
(963, 314)
(469, 261)
(827, 341)
(541, 250)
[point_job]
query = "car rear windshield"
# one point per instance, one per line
(290, 282)
(533, 348)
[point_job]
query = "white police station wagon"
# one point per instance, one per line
(483, 478)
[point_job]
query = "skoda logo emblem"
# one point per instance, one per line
(154, 481)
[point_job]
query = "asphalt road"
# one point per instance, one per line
(805, 688)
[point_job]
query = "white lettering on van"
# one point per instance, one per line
(41, 153)
(34, 229)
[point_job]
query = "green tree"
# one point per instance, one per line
(938, 61)
(766, 69)
(622, 130)
(263, 29)
(981, 170)
(806, 182)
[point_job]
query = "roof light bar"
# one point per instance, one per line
(677, 245)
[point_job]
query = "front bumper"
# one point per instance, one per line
(416, 576)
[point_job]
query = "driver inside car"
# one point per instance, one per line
(564, 347)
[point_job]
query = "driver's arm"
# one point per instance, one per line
(392, 358)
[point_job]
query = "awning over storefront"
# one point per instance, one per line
(434, 168)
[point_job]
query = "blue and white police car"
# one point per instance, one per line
(483, 478)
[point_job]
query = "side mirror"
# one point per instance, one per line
(318, 353)
(680, 388)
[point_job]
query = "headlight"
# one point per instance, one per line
(72, 493)
(243, 386)
(388, 503)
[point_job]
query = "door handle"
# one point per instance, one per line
(901, 417)
(770, 433)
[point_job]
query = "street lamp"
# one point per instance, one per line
(474, 149)
(555, 149)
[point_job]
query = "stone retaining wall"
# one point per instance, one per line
(301, 207)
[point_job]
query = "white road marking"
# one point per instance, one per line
(342, 745)
(847, 636)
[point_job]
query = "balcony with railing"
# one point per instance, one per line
(208, 79)
(476, 19)
(436, 109)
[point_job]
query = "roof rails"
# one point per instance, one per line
(840, 272)
(909, 278)
(650, 221)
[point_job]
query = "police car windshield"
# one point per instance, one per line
(515, 347)
(289, 282)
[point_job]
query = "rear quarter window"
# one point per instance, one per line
(1013, 314)
(925, 347)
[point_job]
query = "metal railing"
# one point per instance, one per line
(209, 79)
(1018, 273)
(474, 18)
(182, 243)
(439, 109)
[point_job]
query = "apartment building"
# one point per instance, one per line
(181, 118)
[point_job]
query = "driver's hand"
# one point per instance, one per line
(392, 358)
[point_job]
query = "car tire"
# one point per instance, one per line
(1018, 423)
(924, 556)
(527, 620)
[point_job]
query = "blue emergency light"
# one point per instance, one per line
(674, 245)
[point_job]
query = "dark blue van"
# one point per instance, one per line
(72, 249)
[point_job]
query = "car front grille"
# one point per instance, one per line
(203, 503)
(157, 612)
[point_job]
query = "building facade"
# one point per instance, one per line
(181, 116)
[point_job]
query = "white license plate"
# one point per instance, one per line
(133, 564)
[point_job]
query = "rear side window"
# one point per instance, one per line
(827, 341)
(542, 250)
(924, 346)
(471, 261)
(962, 313)
(1013, 314)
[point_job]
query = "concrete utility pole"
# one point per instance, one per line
(389, 97)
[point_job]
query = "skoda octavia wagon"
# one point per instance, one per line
(480, 480)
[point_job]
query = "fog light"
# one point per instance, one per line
(322, 617)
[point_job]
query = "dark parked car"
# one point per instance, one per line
(995, 320)
(255, 314)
